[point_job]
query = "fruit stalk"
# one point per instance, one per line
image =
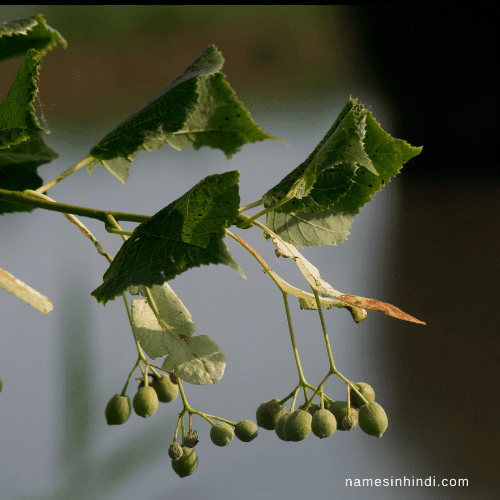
(294, 345)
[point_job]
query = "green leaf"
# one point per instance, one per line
(21, 35)
(22, 148)
(18, 121)
(18, 166)
(187, 233)
(197, 360)
(327, 173)
(365, 151)
(197, 109)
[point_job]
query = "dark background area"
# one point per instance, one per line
(437, 64)
(429, 76)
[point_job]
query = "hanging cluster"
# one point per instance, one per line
(323, 420)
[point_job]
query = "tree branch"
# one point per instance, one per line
(30, 200)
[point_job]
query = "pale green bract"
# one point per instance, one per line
(197, 360)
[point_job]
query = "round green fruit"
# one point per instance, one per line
(269, 413)
(191, 439)
(349, 422)
(323, 424)
(339, 410)
(145, 402)
(373, 419)
(165, 389)
(246, 431)
(221, 434)
(313, 408)
(297, 426)
(117, 410)
(175, 451)
(366, 390)
(281, 423)
(187, 463)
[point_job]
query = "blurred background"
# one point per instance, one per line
(427, 243)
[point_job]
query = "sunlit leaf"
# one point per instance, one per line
(21, 35)
(197, 109)
(18, 121)
(354, 160)
(327, 173)
(187, 233)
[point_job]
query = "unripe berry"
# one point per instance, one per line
(175, 451)
(349, 422)
(281, 424)
(269, 413)
(1, 385)
(141, 383)
(191, 439)
(145, 401)
(323, 423)
(366, 390)
(246, 431)
(373, 419)
(297, 426)
(187, 463)
(221, 434)
(117, 410)
(313, 408)
(165, 389)
(339, 410)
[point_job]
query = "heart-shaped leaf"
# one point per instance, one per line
(352, 162)
(187, 233)
(197, 109)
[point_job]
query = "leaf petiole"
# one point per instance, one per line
(62, 176)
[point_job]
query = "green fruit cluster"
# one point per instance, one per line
(221, 434)
(145, 401)
(373, 419)
(367, 392)
(339, 410)
(191, 439)
(297, 426)
(245, 431)
(279, 429)
(175, 451)
(323, 422)
(313, 408)
(166, 390)
(187, 463)
(117, 410)
(268, 414)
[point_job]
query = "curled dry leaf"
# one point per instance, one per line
(313, 277)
